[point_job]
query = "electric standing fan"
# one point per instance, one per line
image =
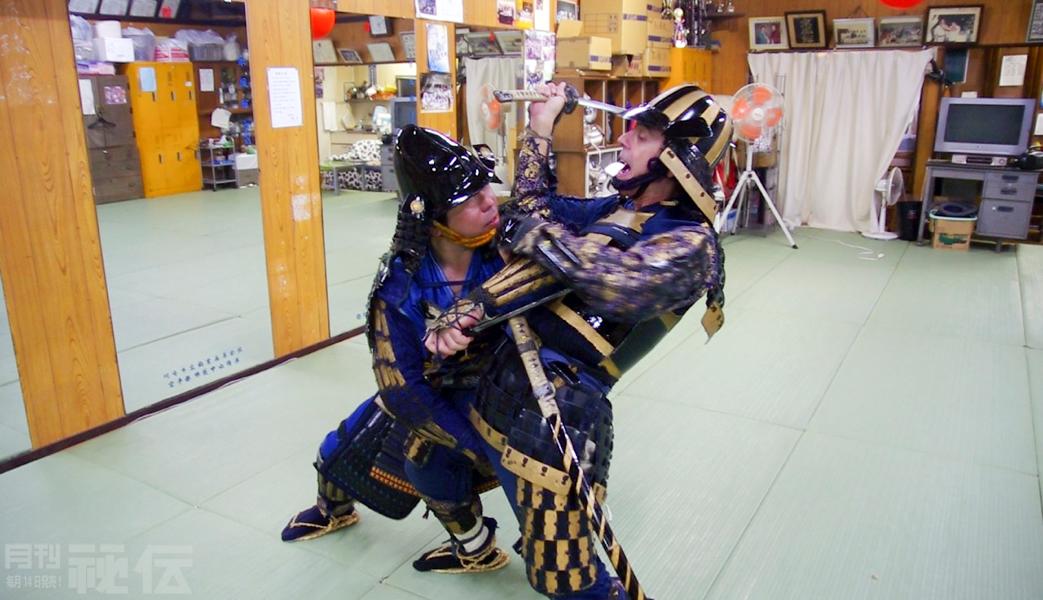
(756, 114)
(891, 189)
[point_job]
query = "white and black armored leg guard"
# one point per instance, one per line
(455, 557)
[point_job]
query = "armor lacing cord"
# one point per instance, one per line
(467, 242)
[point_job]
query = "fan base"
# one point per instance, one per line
(880, 235)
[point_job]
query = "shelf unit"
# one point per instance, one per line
(575, 159)
(218, 166)
(227, 94)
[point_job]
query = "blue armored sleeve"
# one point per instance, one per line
(396, 333)
(535, 193)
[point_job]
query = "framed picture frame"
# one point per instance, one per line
(114, 8)
(323, 53)
(409, 44)
(349, 56)
(381, 52)
(768, 33)
(952, 24)
(379, 26)
(143, 8)
(1035, 30)
(900, 32)
(511, 41)
(482, 43)
(807, 29)
(89, 7)
(955, 65)
(854, 33)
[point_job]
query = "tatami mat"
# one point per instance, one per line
(865, 426)
(951, 397)
(848, 519)
(971, 294)
(1030, 274)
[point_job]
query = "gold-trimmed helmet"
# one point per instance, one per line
(697, 132)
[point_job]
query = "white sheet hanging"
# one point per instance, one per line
(845, 114)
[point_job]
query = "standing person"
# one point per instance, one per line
(634, 264)
(442, 249)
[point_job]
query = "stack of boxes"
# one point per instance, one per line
(110, 45)
(632, 31)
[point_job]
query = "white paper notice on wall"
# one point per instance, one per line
(206, 80)
(1012, 73)
(1039, 125)
(87, 97)
(284, 95)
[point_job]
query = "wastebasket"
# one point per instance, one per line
(908, 220)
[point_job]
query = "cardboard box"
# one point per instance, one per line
(656, 62)
(951, 234)
(570, 29)
(627, 66)
(117, 50)
(654, 9)
(624, 22)
(660, 33)
(591, 52)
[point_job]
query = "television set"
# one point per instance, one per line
(403, 112)
(992, 126)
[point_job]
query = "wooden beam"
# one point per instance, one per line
(291, 200)
(50, 255)
(930, 100)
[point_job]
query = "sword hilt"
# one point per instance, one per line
(571, 97)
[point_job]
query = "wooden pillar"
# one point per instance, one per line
(440, 121)
(930, 100)
(291, 201)
(50, 256)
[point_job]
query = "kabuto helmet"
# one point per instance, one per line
(435, 173)
(697, 133)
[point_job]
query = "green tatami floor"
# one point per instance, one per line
(860, 429)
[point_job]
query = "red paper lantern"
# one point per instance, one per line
(901, 3)
(322, 22)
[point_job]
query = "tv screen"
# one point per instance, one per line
(997, 126)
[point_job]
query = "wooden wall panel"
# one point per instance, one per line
(389, 8)
(1003, 22)
(50, 256)
(291, 201)
(443, 121)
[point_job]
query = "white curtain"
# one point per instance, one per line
(845, 113)
(499, 74)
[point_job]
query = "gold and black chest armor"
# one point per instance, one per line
(606, 345)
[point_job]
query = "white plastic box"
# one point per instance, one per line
(117, 50)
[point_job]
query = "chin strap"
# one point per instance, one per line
(656, 170)
(467, 242)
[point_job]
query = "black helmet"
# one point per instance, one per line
(435, 173)
(697, 133)
(437, 170)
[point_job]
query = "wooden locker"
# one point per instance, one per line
(165, 117)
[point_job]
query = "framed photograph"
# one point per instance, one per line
(952, 24)
(854, 33)
(116, 8)
(898, 32)
(806, 29)
(323, 53)
(511, 41)
(768, 33)
(83, 6)
(143, 8)
(482, 43)
(381, 52)
(349, 56)
(409, 44)
(379, 26)
(1035, 32)
(436, 93)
